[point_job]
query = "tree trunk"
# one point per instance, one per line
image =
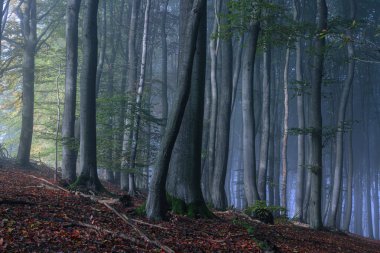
(265, 118)
(184, 177)
(300, 181)
(214, 44)
(316, 119)
(164, 71)
(28, 21)
(249, 156)
(218, 193)
(89, 176)
(348, 206)
(103, 46)
(156, 202)
(284, 150)
(341, 124)
(140, 90)
(69, 152)
(125, 179)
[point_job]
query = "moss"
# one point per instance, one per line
(141, 210)
(192, 210)
(84, 183)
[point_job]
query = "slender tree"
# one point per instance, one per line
(140, 90)
(218, 193)
(341, 123)
(132, 68)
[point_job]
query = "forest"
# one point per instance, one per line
(150, 124)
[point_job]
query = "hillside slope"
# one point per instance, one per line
(37, 215)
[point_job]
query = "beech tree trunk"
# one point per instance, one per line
(300, 181)
(156, 203)
(28, 23)
(249, 157)
(265, 118)
(89, 176)
(184, 177)
(284, 150)
(137, 111)
(69, 146)
(218, 193)
(164, 71)
(341, 124)
(132, 66)
(214, 45)
(316, 118)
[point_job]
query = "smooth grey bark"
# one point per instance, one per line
(300, 180)
(156, 202)
(118, 148)
(348, 206)
(341, 124)
(218, 193)
(69, 149)
(249, 156)
(103, 46)
(237, 69)
(28, 23)
(265, 123)
(184, 176)
(164, 70)
(315, 165)
(89, 176)
(114, 41)
(137, 109)
(368, 182)
(284, 149)
(214, 48)
(131, 80)
(69, 125)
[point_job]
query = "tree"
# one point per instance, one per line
(218, 193)
(301, 119)
(156, 202)
(69, 152)
(28, 23)
(316, 117)
(140, 90)
(132, 68)
(341, 122)
(184, 177)
(88, 166)
(249, 157)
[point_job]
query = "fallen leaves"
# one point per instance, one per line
(38, 216)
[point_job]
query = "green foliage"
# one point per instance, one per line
(141, 210)
(261, 211)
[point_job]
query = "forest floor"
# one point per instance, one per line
(37, 215)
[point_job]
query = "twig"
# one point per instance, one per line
(141, 233)
(97, 228)
(148, 224)
(47, 182)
